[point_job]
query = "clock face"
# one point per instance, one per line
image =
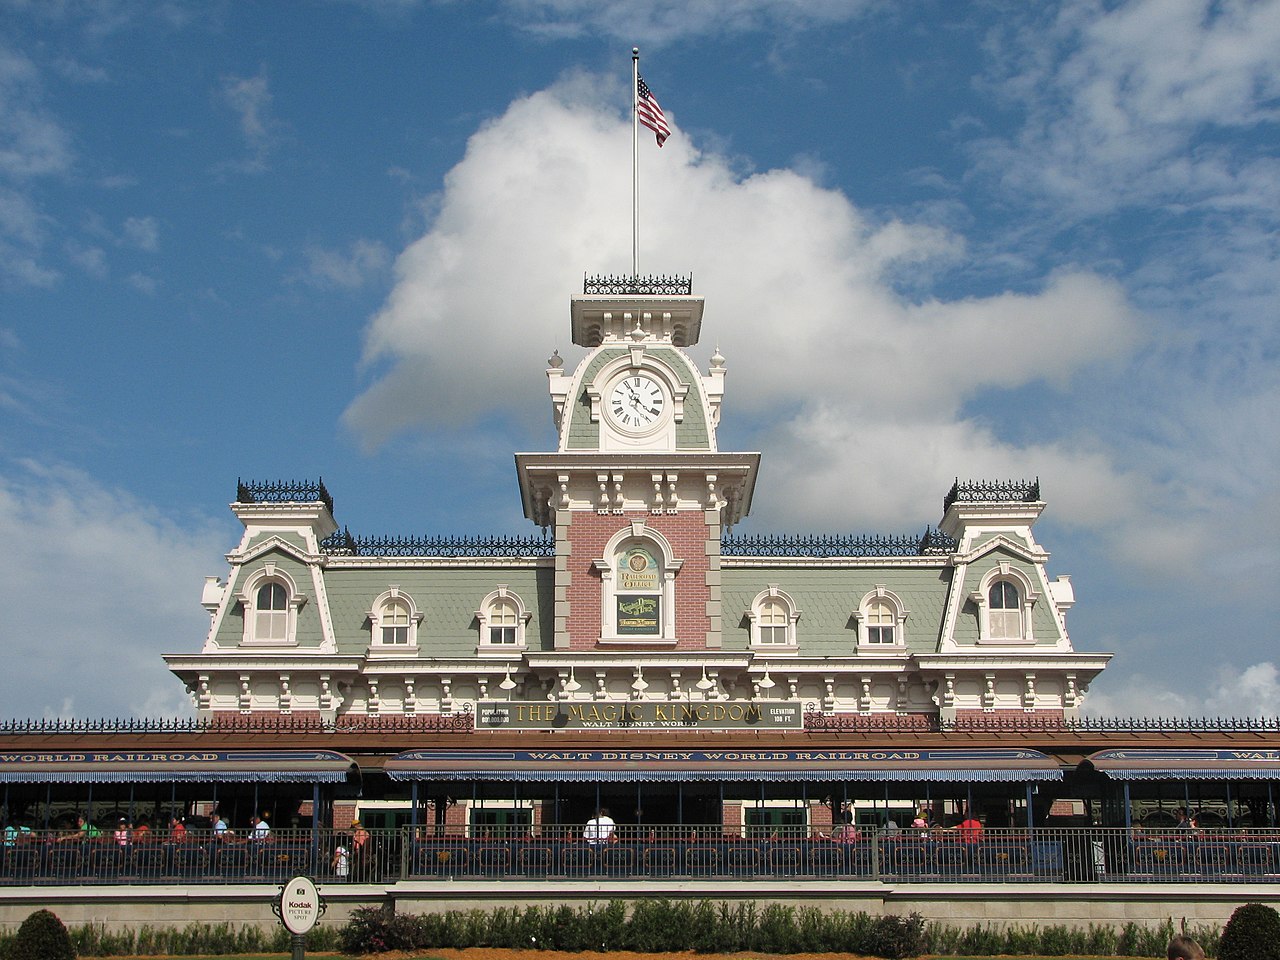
(636, 402)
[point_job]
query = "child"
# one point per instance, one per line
(341, 861)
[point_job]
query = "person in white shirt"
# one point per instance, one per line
(600, 828)
(261, 829)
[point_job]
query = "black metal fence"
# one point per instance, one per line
(1076, 855)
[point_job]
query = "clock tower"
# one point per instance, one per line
(637, 490)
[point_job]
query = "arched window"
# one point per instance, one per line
(394, 622)
(270, 600)
(637, 590)
(773, 617)
(1005, 597)
(271, 613)
(1004, 610)
(502, 618)
(882, 621)
(503, 621)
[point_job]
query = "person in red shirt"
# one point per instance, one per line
(970, 828)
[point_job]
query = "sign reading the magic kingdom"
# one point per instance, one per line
(639, 715)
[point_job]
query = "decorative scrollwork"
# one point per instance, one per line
(283, 491)
(344, 544)
(638, 286)
(992, 491)
(816, 721)
(932, 542)
(251, 724)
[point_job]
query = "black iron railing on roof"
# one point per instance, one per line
(344, 544)
(283, 491)
(638, 286)
(235, 723)
(992, 491)
(930, 543)
(816, 721)
(463, 722)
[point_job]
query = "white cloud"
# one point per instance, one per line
(1122, 103)
(142, 283)
(142, 232)
(871, 386)
(664, 21)
(362, 262)
(75, 615)
(32, 141)
(92, 260)
(250, 98)
(1226, 691)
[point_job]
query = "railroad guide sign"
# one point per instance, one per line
(638, 714)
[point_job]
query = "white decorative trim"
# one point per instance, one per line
(1027, 594)
(486, 647)
(772, 593)
(248, 596)
(900, 614)
(376, 645)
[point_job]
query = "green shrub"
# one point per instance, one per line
(1252, 933)
(42, 936)
(896, 937)
(375, 930)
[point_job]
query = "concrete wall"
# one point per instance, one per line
(119, 907)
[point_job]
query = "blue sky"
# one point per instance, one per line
(298, 239)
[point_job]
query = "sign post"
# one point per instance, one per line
(299, 907)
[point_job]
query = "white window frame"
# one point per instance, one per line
(877, 597)
(376, 615)
(268, 574)
(1027, 594)
(771, 595)
(503, 595)
(636, 533)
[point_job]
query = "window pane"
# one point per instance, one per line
(879, 634)
(270, 625)
(271, 596)
(1003, 596)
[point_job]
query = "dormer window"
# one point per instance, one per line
(502, 618)
(1004, 611)
(773, 617)
(1005, 598)
(271, 613)
(882, 622)
(270, 600)
(393, 623)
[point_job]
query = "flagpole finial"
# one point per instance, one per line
(635, 53)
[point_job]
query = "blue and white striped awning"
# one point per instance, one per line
(174, 766)
(1188, 764)
(787, 766)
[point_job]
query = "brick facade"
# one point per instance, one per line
(589, 535)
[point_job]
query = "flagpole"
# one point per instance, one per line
(635, 162)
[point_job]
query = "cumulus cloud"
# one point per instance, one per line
(1253, 691)
(863, 387)
(75, 615)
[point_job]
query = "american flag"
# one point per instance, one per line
(648, 111)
